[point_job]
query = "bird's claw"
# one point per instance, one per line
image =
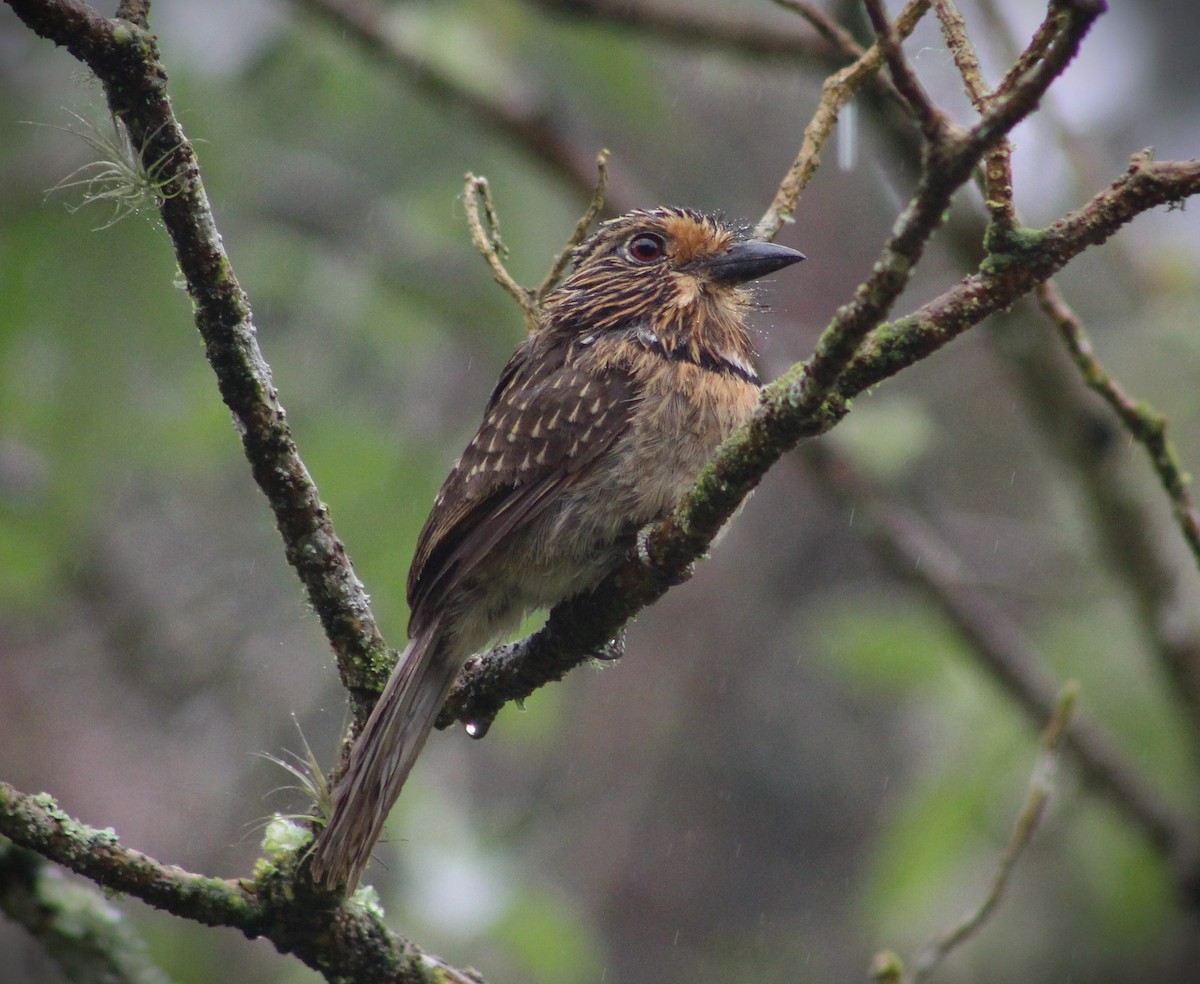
(647, 561)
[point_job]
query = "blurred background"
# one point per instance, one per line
(798, 762)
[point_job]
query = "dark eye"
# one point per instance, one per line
(646, 247)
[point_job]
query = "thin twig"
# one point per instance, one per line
(1041, 785)
(997, 162)
(824, 25)
(836, 91)
(485, 234)
(1145, 424)
(1044, 38)
(933, 122)
(954, 31)
(590, 214)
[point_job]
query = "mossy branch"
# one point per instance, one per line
(345, 941)
(1145, 424)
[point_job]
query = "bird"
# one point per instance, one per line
(640, 365)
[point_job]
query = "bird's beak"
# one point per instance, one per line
(747, 260)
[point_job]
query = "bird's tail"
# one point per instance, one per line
(382, 756)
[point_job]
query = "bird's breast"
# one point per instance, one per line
(685, 411)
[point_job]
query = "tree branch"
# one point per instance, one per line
(77, 926)
(997, 162)
(344, 941)
(837, 90)
(1148, 426)
(125, 59)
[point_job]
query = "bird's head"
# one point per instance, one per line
(662, 260)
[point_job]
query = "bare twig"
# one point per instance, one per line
(1039, 47)
(954, 31)
(824, 25)
(485, 234)
(590, 214)
(1041, 785)
(836, 91)
(933, 122)
(997, 162)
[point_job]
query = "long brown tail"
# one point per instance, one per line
(382, 756)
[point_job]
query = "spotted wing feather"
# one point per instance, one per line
(548, 417)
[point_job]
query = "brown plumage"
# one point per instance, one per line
(602, 419)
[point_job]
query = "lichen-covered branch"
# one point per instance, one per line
(125, 59)
(344, 940)
(77, 926)
(1147, 425)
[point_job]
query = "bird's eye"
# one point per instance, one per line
(647, 247)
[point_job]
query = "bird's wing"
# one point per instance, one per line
(548, 417)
